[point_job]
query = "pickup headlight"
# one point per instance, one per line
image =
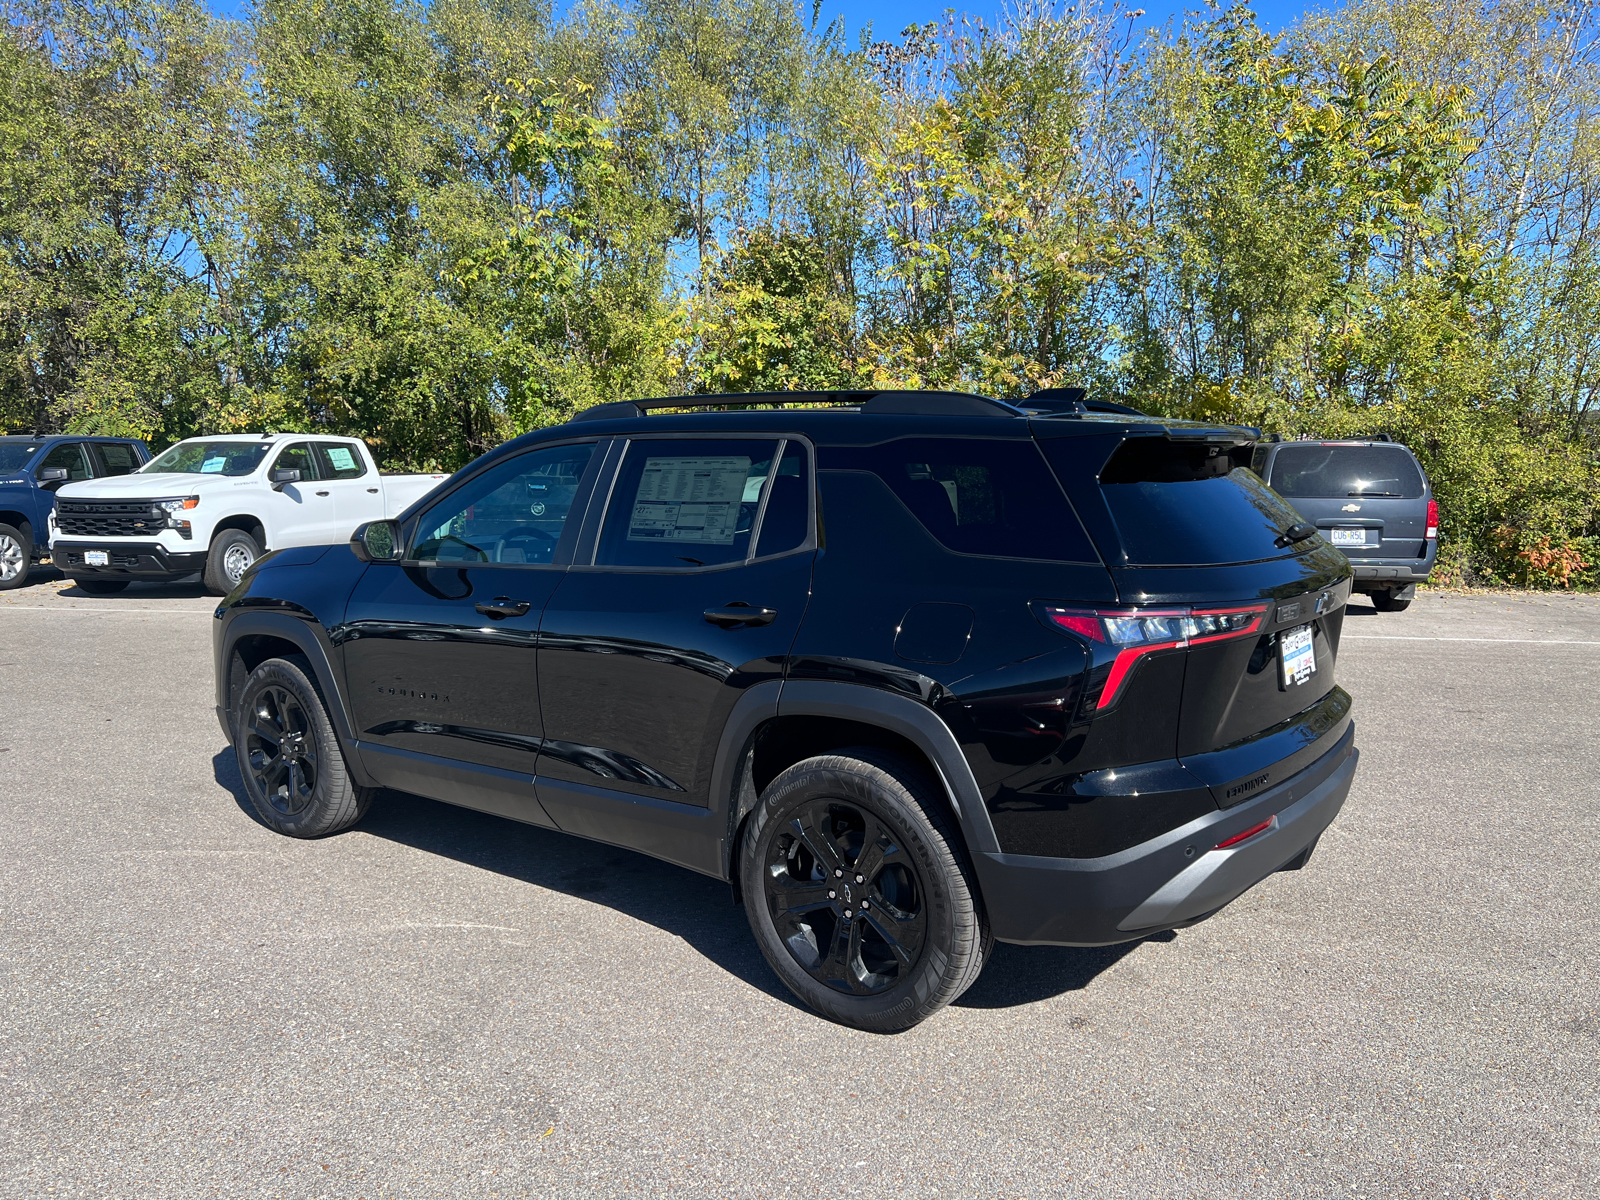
(175, 509)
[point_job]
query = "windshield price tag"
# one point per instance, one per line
(1299, 662)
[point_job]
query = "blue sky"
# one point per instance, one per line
(889, 17)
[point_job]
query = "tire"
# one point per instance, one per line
(100, 587)
(307, 793)
(831, 935)
(233, 551)
(16, 557)
(1389, 602)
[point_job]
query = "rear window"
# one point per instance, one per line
(1314, 469)
(977, 496)
(1183, 505)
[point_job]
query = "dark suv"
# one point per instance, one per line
(1370, 499)
(914, 672)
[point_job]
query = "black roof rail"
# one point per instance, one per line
(929, 404)
(1057, 400)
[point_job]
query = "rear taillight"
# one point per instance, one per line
(1433, 519)
(1119, 637)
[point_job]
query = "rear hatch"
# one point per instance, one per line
(1368, 499)
(1205, 573)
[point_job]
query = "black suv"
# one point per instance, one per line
(913, 671)
(1370, 499)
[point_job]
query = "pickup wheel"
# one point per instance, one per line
(16, 556)
(858, 891)
(294, 771)
(233, 552)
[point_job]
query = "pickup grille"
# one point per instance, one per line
(109, 518)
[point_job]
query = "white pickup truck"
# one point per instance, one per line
(214, 505)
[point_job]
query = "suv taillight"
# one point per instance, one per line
(1433, 519)
(1119, 637)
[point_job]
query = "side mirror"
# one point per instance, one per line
(280, 477)
(377, 541)
(53, 475)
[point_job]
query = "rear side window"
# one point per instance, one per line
(1178, 504)
(977, 496)
(1318, 470)
(682, 503)
(339, 461)
(117, 458)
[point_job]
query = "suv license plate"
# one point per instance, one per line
(1349, 537)
(97, 558)
(1299, 662)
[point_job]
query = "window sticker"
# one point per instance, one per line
(213, 466)
(341, 458)
(693, 500)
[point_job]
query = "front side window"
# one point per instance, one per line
(513, 513)
(71, 456)
(685, 502)
(117, 458)
(233, 459)
(340, 461)
(297, 457)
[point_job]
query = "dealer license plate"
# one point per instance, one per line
(97, 558)
(1299, 663)
(1349, 537)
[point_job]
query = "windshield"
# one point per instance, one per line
(14, 455)
(1313, 469)
(210, 458)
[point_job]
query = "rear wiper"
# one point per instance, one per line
(1394, 495)
(691, 561)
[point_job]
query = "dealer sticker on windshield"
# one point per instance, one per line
(1298, 660)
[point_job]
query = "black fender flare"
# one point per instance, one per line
(311, 641)
(917, 723)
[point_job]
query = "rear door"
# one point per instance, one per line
(1367, 499)
(356, 491)
(1190, 532)
(697, 583)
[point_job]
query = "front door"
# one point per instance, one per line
(439, 649)
(301, 513)
(694, 592)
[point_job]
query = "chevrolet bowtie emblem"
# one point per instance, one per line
(1351, 508)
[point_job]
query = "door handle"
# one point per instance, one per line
(322, 493)
(739, 613)
(372, 491)
(504, 606)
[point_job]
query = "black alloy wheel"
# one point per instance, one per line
(844, 898)
(293, 767)
(858, 889)
(281, 750)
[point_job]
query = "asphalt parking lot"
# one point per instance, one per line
(441, 1003)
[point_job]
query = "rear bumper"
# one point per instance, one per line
(1169, 881)
(128, 560)
(1373, 573)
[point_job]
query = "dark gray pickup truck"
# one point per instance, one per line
(1372, 500)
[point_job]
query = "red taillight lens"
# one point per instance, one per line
(1247, 834)
(1128, 634)
(1433, 519)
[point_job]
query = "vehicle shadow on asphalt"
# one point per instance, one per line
(684, 903)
